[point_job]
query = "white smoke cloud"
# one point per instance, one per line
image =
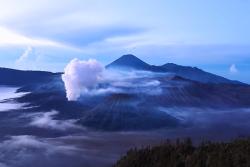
(81, 76)
(87, 78)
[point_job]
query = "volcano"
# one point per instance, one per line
(131, 62)
(137, 102)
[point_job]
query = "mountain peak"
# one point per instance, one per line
(129, 61)
(130, 56)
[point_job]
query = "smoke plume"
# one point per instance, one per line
(81, 76)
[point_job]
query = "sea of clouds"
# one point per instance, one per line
(6, 99)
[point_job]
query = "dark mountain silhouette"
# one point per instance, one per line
(196, 74)
(131, 62)
(117, 112)
(12, 77)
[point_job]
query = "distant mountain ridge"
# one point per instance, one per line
(131, 62)
(13, 77)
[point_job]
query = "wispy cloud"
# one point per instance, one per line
(46, 120)
(9, 37)
(233, 69)
(114, 19)
(25, 149)
(6, 100)
(25, 55)
(30, 59)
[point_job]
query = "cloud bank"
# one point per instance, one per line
(81, 76)
(46, 120)
(11, 38)
(25, 150)
(6, 100)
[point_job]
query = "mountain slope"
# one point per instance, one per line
(119, 112)
(131, 62)
(12, 77)
(196, 74)
(185, 154)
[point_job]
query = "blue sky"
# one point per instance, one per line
(45, 35)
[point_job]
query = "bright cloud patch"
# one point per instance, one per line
(46, 120)
(84, 78)
(81, 76)
(233, 69)
(6, 100)
(9, 37)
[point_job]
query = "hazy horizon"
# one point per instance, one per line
(45, 35)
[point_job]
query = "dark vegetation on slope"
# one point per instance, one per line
(184, 154)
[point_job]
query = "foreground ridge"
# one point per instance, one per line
(184, 154)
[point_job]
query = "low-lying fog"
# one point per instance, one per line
(40, 138)
(6, 102)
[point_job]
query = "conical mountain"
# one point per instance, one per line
(129, 61)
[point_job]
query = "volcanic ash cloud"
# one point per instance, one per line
(81, 76)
